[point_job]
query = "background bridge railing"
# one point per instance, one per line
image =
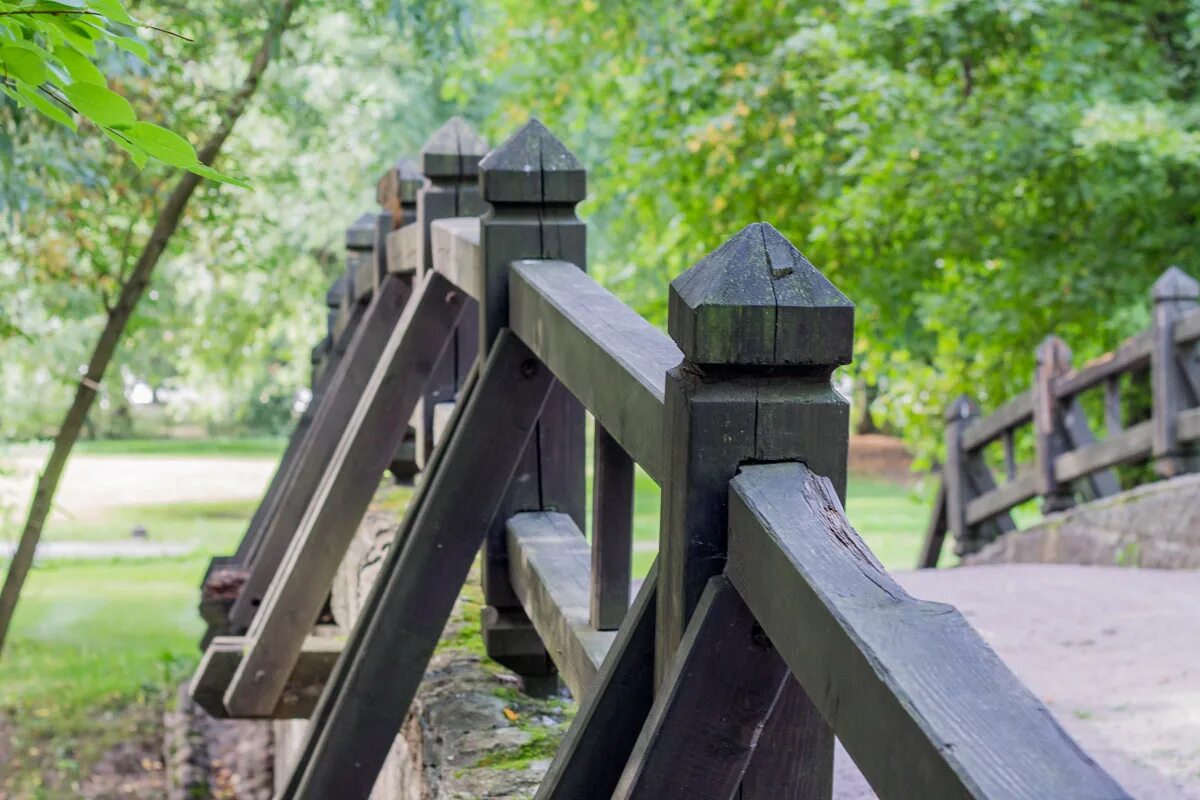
(1145, 394)
(765, 627)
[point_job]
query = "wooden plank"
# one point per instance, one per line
(935, 531)
(614, 361)
(1187, 328)
(706, 719)
(337, 404)
(590, 757)
(299, 589)
(612, 531)
(1133, 354)
(925, 708)
(1189, 425)
(456, 252)
(403, 249)
(1112, 406)
(373, 685)
(548, 567)
(1099, 482)
(999, 500)
(318, 654)
(1133, 444)
(532, 182)
(1016, 412)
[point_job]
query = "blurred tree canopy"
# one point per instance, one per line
(974, 174)
(236, 304)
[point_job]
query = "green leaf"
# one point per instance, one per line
(99, 104)
(23, 64)
(114, 11)
(158, 142)
(131, 45)
(209, 172)
(80, 68)
(138, 154)
(28, 95)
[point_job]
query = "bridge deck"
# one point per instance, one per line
(1113, 652)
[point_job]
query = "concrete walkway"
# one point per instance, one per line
(1113, 652)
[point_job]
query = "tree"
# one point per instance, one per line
(132, 287)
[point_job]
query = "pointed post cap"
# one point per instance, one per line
(361, 233)
(532, 166)
(453, 151)
(756, 300)
(963, 407)
(399, 185)
(1175, 284)
(1054, 354)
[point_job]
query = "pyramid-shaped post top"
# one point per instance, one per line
(756, 300)
(399, 184)
(1175, 284)
(963, 407)
(532, 166)
(361, 233)
(453, 151)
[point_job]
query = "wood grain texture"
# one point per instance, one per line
(922, 704)
(346, 384)
(707, 717)
(549, 571)
(614, 361)
(612, 531)
(456, 252)
(318, 654)
(590, 758)
(299, 589)
(393, 640)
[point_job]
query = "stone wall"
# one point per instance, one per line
(1154, 525)
(472, 733)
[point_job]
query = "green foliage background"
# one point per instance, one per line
(974, 174)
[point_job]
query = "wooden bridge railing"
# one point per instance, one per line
(1070, 464)
(765, 628)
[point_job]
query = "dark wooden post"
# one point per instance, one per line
(761, 332)
(450, 161)
(612, 530)
(397, 195)
(1050, 436)
(1175, 294)
(361, 258)
(961, 413)
(533, 184)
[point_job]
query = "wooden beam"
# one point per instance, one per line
(299, 589)
(548, 564)
(614, 361)
(1133, 354)
(403, 249)
(1131, 444)
(1000, 500)
(318, 654)
(590, 758)
(935, 531)
(706, 719)
(333, 412)
(390, 647)
(456, 252)
(924, 707)
(612, 531)
(1016, 412)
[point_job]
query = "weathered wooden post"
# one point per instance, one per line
(1175, 294)
(761, 332)
(1050, 435)
(450, 162)
(612, 530)
(961, 413)
(533, 184)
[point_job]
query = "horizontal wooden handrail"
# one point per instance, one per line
(456, 252)
(922, 704)
(549, 563)
(1013, 414)
(610, 358)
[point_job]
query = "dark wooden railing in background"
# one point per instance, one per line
(1070, 464)
(765, 627)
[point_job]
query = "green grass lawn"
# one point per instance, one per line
(97, 647)
(255, 447)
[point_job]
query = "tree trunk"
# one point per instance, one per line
(118, 317)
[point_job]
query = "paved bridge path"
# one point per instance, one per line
(1114, 652)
